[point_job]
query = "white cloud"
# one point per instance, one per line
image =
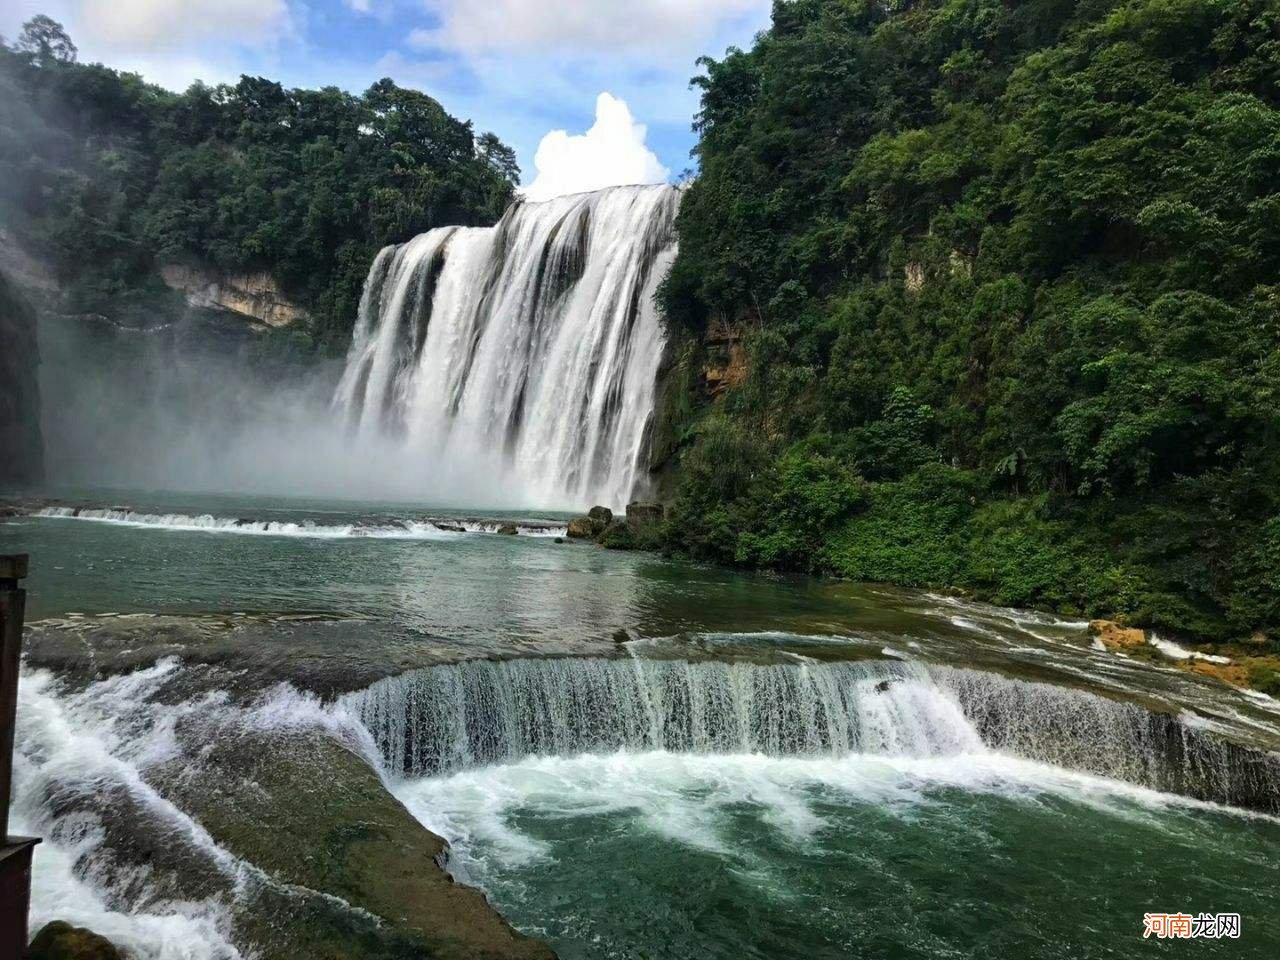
(611, 153)
(360, 6)
(590, 26)
(152, 24)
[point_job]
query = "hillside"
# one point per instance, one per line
(249, 196)
(1000, 286)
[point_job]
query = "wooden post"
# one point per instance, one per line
(15, 852)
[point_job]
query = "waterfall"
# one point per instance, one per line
(527, 351)
(453, 717)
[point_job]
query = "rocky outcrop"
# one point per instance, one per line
(33, 275)
(592, 525)
(582, 528)
(1113, 636)
(21, 443)
(644, 517)
(61, 941)
(639, 530)
(726, 357)
(255, 296)
(348, 838)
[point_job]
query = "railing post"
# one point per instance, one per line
(15, 852)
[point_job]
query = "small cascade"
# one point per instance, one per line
(426, 528)
(477, 713)
(483, 712)
(1121, 740)
(528, 351)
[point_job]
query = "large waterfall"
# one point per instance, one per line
(526, 352)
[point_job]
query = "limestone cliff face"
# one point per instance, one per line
(255, 296)
(29, 274)
(726, 363)
(21, 444)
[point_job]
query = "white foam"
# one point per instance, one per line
(1175, 652)
(81, 742)
(439, 529)
(1013, 615)
(688, 798)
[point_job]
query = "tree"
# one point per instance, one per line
(46, 41)
(498, 156)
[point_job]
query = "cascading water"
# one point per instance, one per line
(455, 717)
(528, 351)
(459, 716)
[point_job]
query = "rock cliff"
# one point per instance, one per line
(21, 444)
(255, 296)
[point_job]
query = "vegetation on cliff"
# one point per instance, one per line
(1006, 273)
(106, 177)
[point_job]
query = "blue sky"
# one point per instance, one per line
(522, 68)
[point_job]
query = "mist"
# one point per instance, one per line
(182, 407)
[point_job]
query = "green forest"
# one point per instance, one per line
(105, 177)
(1006, 276)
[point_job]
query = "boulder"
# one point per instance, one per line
(1117, 637)
(617, 536)
(603, 515)
(643, 515)
(61, 941)
(508, 529)
(583, 528)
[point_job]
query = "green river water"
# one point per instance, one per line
(660, 853)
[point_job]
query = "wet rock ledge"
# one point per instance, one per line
(315, 857)
(315, 816)
(61, 941)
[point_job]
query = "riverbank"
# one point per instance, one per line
(1250, 665)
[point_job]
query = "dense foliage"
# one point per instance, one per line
(107, 177)
(1007, 274)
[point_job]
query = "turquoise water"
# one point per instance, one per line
(454, 585)
(667, 856)
(656, 855)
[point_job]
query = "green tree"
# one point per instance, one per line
(46, 41)
(1013, 265)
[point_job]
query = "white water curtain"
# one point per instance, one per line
(528, 351)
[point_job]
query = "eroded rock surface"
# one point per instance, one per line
(61, 941)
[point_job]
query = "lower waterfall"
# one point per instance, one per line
(526, 352)
(449, 718)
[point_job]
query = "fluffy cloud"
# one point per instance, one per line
(611, 153)
(590, 26)
(148, 24)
